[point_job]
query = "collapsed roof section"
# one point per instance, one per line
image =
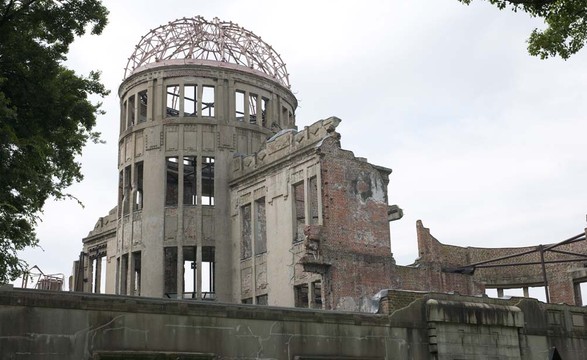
(199, 39)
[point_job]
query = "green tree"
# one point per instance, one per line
(566, 25)
(46, 116)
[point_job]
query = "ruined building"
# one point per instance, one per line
(221, 197)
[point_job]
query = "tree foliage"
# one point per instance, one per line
(46, 116)
(566, 25)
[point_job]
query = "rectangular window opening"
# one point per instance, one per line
(299, 210)
(208, 273)
(124, 274)
(262, 300)
(172, 107)
(127, 191)
(189, 180)
(130, 117)
(252, 108)
(264, 114)
(301, 295)
(246, 232)
(138, 201)
(190, 100)
(247, 301)
(260, 227)
(123, 116)
(143, 103)
(104, 262)
(317, 295)
(208, 101)
(313, 198)
(170, 271)
(240, 105)
(207, 180)
(136, 256)
(172, 185)
(120, 192)
(190, 268)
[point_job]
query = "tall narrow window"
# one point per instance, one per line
(120, 192)
(252, 108)
(260, 227)
(299, 209)
(172, 100)
(130, 117)
(246, 232)
(127, 191)
(124, 274)
(264, 112)
(138, 202)
(208, 101)
(172, 185)
(189, 100)
(143, 103)
(136, 259)
(170, 271)
(239, 98)
(190, 286)
(208, 273)
(313, 198)
(207, 180)
(123, 116)
(189, 180)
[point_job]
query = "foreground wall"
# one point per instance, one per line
(410, 325)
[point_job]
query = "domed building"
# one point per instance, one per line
(219, 196)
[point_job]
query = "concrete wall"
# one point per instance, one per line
(48, 325)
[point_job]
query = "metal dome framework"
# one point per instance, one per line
(215, 40)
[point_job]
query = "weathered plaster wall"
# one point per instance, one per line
(56, 325)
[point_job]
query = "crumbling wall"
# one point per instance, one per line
(561, 277)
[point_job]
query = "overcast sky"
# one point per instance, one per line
(487, 144)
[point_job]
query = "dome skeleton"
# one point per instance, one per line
(215, 40)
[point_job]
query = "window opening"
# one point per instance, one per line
(170, 264)
(123, 116)
(173, 100)
(207, 180)
(260, 227)
(124, 273)
(189, 100)
(95, 275)
(262, 299)
(247, 301)
(264, 113)
(313, 197)
(246, 238)
(127, 191)
(252, 108)
(240, 105)
(189, 180)
(283, 116)
(208, 273)
(208, 101)
(117, 289)
(172, 182)
(130, 117)
(103, 261)
(136, 256)
(317, 295)
(120, 192)
(138, 202)
(299, 199)
(190, 286)
(301, 295)
(143, 101)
